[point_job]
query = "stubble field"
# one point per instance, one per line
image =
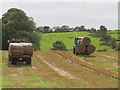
(62, 69)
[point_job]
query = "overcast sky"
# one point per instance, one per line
(91, 14)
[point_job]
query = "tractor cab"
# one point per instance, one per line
(77, 40)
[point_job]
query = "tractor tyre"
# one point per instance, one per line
(73, 50)
(76, 53)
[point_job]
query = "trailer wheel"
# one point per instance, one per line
(13, 61)
(9, 58)
(28, 61)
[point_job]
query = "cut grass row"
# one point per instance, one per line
(106, 60)
(40, 75)
(83, 74)
(24, 76)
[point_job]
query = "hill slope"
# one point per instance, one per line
(67, 38)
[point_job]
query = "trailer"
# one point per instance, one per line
(19, 50)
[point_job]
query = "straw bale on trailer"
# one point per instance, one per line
(18, 49)
(27, 48)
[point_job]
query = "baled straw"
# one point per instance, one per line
(90, 49)
(81, 49)
(85, 41)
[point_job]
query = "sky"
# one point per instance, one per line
(66, 12)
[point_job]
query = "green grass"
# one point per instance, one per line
(67, 38)
(114, 34)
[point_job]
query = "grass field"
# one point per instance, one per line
(67, 38)
(62, 69)
(114, 34)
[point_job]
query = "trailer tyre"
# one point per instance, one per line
(9, 58)
(13, 60)
(28, 61)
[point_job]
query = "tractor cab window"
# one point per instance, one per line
(77, 41)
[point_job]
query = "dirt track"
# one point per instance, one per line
(62, 69)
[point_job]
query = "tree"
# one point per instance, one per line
(57, 29)
(82, 28)
(14, 21)
(59, 45)
(76, 28)
(39, 29)
(93, 30)
(46, 29)
(65, 28)
(102, 31)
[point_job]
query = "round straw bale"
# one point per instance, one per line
(90, 49)
(81, 49)
(86, 41)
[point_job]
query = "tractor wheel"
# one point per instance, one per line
(28, 61)
(76, 53)
(13, 61)
(73, 50)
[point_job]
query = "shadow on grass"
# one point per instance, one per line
(19, 64)
(87, 56)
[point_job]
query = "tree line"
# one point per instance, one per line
(64, 28)
(106, 38)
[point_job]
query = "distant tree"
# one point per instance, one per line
(59, 45)
(76, 28)
(56, 29)
(46, 29)
(103, 30)
(39, 29)
(82, 28)
(93, 30)
(65, 28)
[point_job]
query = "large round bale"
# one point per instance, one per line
(90, 49)
(86, 41)
(16, 49)
(81, 49)
(28, 48)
